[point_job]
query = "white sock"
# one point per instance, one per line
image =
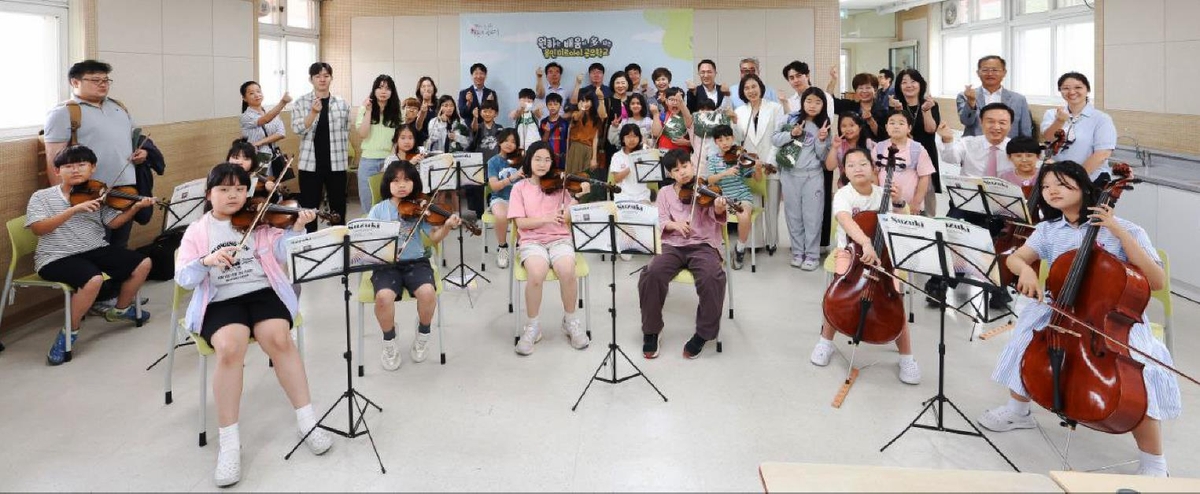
(1152, 462)
(305, 417)
(532, 320)
(741, 247)
(1018, 407)
(230, 439)
(825, 341)
(905, 359)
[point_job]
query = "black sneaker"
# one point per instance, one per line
(739, 258)
(650, 345)
(693, 347)
(999, 300)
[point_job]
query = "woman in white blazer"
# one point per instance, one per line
(754, 124)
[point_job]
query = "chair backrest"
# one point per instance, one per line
(1163, 294)
(23, 241)
(373, 182)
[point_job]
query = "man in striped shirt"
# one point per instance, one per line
(72, 249)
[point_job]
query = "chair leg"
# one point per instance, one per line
(587, 294)
(172, 340)
(137, 309)
(483, 241)
(516, 314)
(753, 254)
(67, 323)
(6, 294)
(441, 348)
(300, 338)
(1168, 335)
(203, 401)
(511, 281)
(361, 328)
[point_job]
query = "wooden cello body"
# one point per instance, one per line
(863, 303)
(1074, 371)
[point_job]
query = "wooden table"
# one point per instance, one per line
(1107, 482)
(813, 477)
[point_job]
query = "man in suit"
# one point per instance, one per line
(470, 100)
(708, 88)
(991, 70)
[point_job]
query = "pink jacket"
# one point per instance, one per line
(270, 249)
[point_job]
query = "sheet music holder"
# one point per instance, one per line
(595, 228)
(434, 168)
(646, 166)
(921, 245)
(989, 196)
(187, 205)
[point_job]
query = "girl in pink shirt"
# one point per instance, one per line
(543, 242)
(913, 179)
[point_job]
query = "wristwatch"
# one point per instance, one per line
(900, 205)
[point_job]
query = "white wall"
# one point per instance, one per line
(177, 60)
(408, 47)
(1150, 45)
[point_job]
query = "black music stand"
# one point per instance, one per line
(913, 256)
(981, 197)
(601, 237)
(319, 263)
(461, 275)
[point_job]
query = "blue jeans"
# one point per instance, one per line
(366, 168)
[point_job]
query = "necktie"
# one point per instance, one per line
(990, 171)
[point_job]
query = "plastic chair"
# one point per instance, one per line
(755, 215)
(24, 243)
(1163, 295)
(517, 275)
(487, 222)
(366, 296)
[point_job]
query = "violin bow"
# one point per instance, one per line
(261, 212)
(128, 161)
(424, 210)
(696, 183)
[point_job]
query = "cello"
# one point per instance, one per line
(861, 303)
(1080, 365)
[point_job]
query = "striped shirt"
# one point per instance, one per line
(1052, 239)
(253, 132)
(81, 233)
(732, 187)
(339, 133)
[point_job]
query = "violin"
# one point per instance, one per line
(515, 159)
(281, 215)
(1083, 374)
(410, 154)
(861, 303)
(556, 180)
(260, 187)
(120, 198)
(705, 196)
(413, 207)
(1015, 233)
(744, 160)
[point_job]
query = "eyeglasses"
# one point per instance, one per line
(990, 70)
(99, 82)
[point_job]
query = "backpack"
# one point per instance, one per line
(162, 254)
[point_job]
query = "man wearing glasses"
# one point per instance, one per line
(747, 67)
(991, 70)
(105, 126)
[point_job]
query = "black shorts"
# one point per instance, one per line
(249, 309)
(409, 275)
(77, 269)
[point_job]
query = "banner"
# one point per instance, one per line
(513, 45)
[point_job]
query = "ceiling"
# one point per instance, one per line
(863, 4)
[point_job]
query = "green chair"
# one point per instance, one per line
(1163, 295)
(487, 221)
(517, 275)
(24, 243)
(374, 182)
(366, 297)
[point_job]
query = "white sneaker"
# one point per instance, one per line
(318, 442)
(910, 373)
(420, 344)
(809, 264)
(1002, 419)
(1151, 472)
(229, 468)
(626, 257)
(797, 261)
(579, 338)
(391, 355)
(530, 335)
(502, 257)
(821, 354)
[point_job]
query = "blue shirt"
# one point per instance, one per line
(415, 249)
(1091, 131)
(737, 100)
(498, 169)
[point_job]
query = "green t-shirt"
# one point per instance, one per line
(378, 145)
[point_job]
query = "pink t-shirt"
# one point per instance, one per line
(707, 222)
(906, 179)
(528, 201)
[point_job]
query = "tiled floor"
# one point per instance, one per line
(490, 420)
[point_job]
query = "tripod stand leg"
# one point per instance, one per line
(593, 378)
(640, 373)
(928, 405)
(981, 434)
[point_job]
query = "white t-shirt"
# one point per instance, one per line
(246, 275)
(631, 189)
(849, 200)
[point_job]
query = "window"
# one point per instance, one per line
(287, 45)
(843, 71)
(1040, 39)
(41, 80)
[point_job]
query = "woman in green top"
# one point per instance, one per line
(376, 133)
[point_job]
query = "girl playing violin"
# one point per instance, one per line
(731, 177)
(544, 242)
(1068, 204)
(691, 239)
(242, 290)
(503, 170)
(241, 153)
(447, 133)
(404, 146)
(862, 194)
(412, 271)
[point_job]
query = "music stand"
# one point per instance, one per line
(997, 200)
(187, 201)
(918, 253)
(324, 261)
(468, 170)
(600, 236)
(646, 167)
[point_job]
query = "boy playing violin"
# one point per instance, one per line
(691, 239)
(731, 177)
(412, 271)
(72, 248)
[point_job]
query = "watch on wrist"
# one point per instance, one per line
(899, 204)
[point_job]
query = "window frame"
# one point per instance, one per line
(51, 8)
(277, 29)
